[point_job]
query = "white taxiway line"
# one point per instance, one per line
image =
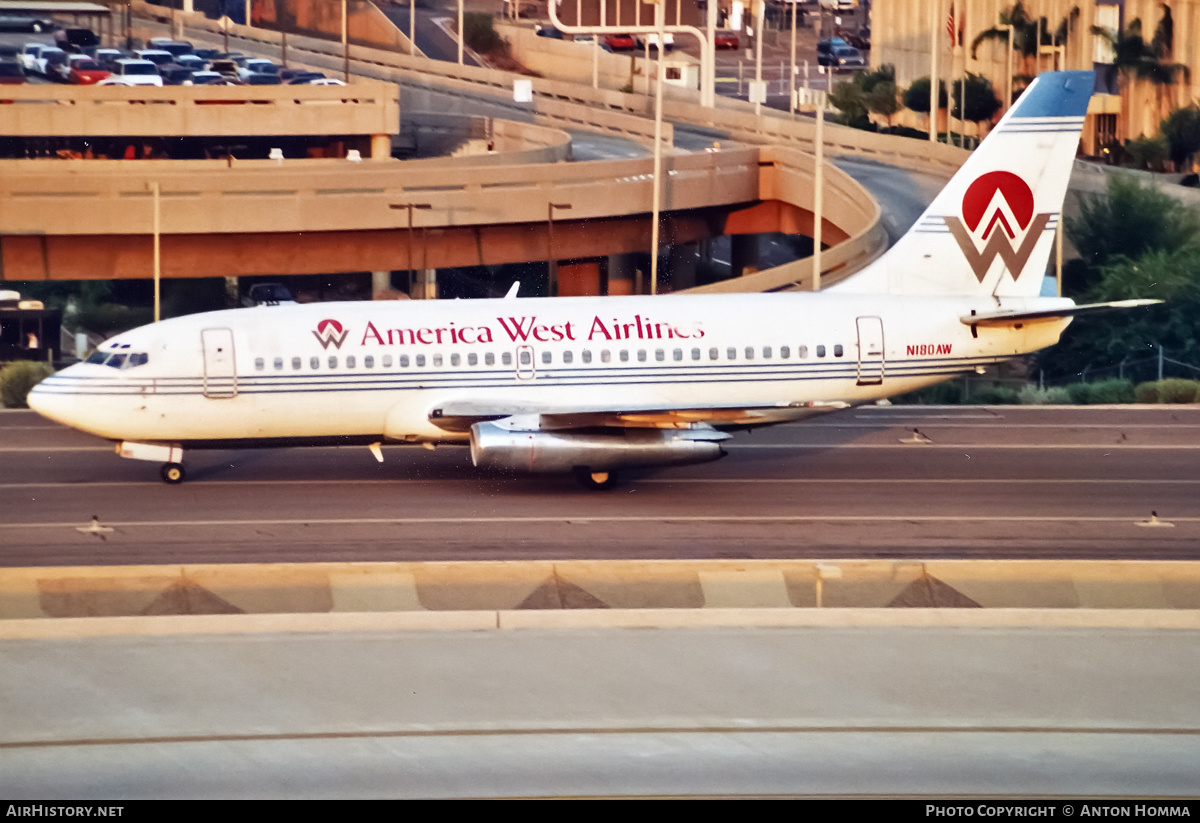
(583, 520)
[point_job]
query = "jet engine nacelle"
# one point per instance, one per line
(494, 446)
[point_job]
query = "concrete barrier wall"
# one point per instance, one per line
(363, 596)
(365, 108)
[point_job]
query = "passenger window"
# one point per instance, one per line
(731, 353)
(695, 354)
(278, 364)
(387, 361)
(714, 353)
(660, 355)
(624, 355)
(350, 361)
(837, 350)
(526, 357)
(546, 357)
(749, 352)
(455, 360)
(820, 351)
(297, 363)
(472, 359)
(785, 352)
(368, 362)
(641, 355)
(420, 361)
(333, 362)
(489, 359)
(586, 355)
(567, 357)
(314, 362)
(677, 354)
(802, 352)
(259, 365)
(437, 360)
(403, 361)
(766, 352)
(605, 356)
(506, 358)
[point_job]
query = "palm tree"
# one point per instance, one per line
(1135, 59)
(1028, 34)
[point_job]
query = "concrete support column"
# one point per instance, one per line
(621, 274)
(381, 146)
(381, 283)
(580, 279)
(743, 252)
(425, 285)
(681, 266)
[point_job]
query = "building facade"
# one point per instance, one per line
(1048, 35)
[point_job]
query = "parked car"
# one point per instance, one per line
(726, 39)
(156, 56)
(268, 294)
(191, 61)
(77, 40)
(49, 61)
(228, 69)
(136, 73)
(258, 66)
(839, 55)
(178, 48)
(620, 42)
(326, 81)
(303, 78)
(11, 73)
(208, 78)
(83, 70)
(106, 56)
(651, 40)
(549, 31)
(174, 74)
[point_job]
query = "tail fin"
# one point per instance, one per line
(991, 230)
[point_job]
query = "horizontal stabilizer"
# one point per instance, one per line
(1005, 318)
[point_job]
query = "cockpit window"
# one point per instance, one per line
(119, 360)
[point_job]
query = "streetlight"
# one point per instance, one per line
(551, 259)
(346, 46)
(411, 262)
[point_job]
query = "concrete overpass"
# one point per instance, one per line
(299, 216)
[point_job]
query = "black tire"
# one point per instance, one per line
(595, 480)
(173, 473)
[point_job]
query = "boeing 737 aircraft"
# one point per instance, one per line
(597, 384)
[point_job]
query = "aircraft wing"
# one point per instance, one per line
(1006, 318)
(459, 416)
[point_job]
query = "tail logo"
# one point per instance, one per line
(330, 331)
(996, 210)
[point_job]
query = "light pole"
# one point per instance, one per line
(345, 43)
(411, 263)
(656, 198)
(792, 75)
(551, 258)
(412, 28)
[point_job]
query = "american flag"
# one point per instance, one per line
(952, 23)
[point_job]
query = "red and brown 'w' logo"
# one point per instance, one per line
(330, 331)
(997, 207)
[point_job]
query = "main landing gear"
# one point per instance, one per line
(595, 480)
(172, 473)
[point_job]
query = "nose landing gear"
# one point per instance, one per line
(172, 473)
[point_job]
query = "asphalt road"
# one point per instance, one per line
(992, 482)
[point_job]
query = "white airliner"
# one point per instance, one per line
(597, 384)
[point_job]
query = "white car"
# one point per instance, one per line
(136, 73)
(326, 81)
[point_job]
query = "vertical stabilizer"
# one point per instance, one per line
(991, 230)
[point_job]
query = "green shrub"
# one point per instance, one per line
(1031, 395)
(17, 378)
(1079, 393)
(1111, 391)
(1171, 390)
(993, 395)
(939, 394)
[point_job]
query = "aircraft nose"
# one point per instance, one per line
(52, 398)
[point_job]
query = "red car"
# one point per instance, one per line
(84, 71)
(726, 40)
(620, 42)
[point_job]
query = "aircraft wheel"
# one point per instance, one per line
(595, 480)
(173, 473)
